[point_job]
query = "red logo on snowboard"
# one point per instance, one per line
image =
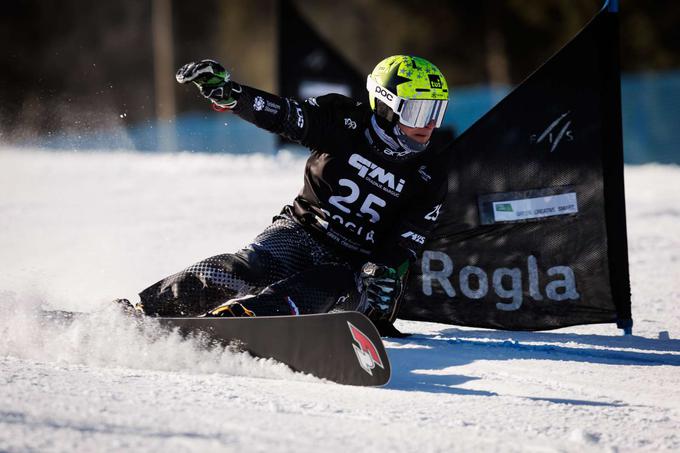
(367, 354)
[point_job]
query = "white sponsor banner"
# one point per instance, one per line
(535, 208)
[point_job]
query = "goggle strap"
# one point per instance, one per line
(395, 104)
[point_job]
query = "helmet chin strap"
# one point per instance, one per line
(399, 145)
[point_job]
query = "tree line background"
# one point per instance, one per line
(81, 65)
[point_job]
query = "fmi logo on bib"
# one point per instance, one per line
(376, 175)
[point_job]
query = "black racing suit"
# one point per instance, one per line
(363, 199)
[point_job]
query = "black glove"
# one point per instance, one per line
(211, 79)
(381, 288)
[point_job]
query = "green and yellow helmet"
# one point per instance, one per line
(408, 89)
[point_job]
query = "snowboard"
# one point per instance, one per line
(343, 347)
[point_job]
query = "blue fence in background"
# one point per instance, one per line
(650, 105)
(651, 117)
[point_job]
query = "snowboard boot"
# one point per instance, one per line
(233, 308)
(130, 309)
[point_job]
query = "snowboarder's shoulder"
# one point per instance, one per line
(432, 166)
(439, 154)
(342, 111)
(337, 102)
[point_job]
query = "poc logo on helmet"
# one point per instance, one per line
(435, 81)
(380, 90)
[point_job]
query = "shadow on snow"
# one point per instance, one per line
(419, 361)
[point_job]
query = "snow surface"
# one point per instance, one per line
(78, 229)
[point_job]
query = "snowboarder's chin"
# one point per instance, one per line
(419, 134)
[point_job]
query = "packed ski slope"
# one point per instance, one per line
(79, 229)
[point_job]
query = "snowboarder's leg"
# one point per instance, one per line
(281, 251)
(206, 284)
(313, 290)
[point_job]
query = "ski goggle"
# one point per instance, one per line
(412, 112)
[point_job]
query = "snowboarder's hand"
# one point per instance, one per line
(380, 289)
(211, 79)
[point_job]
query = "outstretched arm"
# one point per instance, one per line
(284, 116)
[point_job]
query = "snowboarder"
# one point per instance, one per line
(373, 189)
